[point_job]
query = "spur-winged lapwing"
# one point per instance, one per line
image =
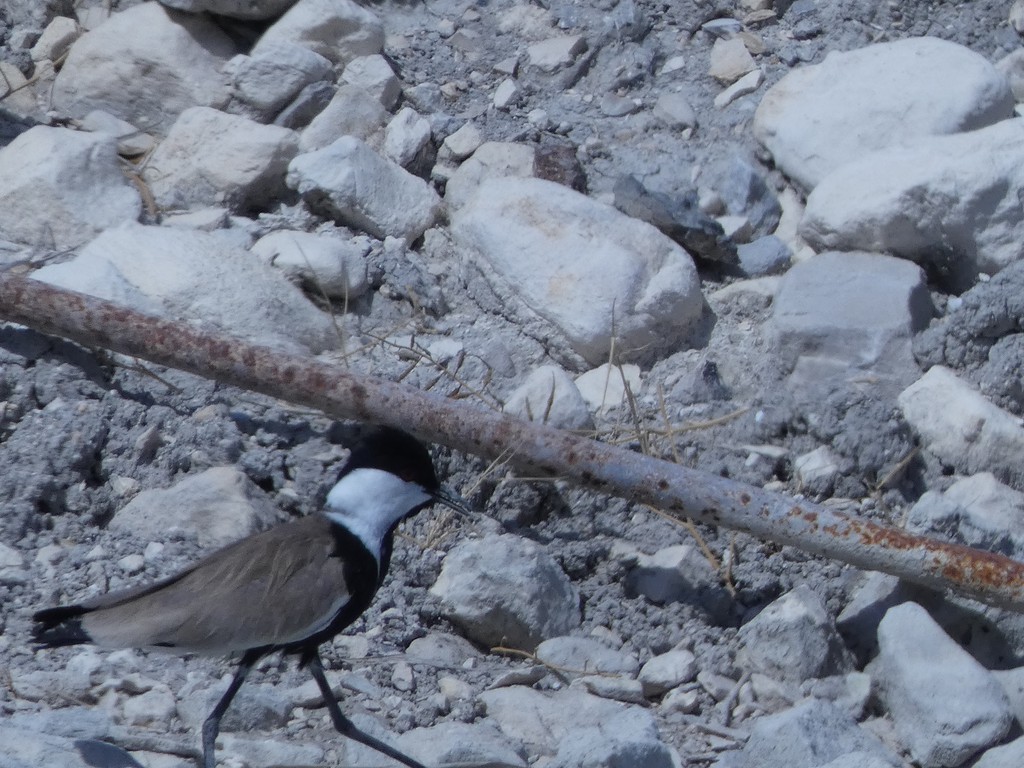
(288, 589)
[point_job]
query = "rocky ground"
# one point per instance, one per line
(778, 242)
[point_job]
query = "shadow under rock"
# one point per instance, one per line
(25, 347)
(12, 125)
(103, 755)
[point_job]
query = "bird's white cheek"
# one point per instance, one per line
(368, 502)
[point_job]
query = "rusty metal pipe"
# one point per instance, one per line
(700, 496)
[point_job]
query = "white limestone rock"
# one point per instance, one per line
(15, 92)
(858, 309)
(949, 200)
(10, 557)
(747, 84)
(257, 706)
(978, 511)
(555, 52)
(1012, 681)
(1006, 756)
(680, 700)
(145, 65)
(537, 244)
(461, 144)
(667, 671)
(374, 75)
(506, 590)
(354, 185)
(944, 704)
(984, 631)
(58, 36)
(252, 10)
(768, 255)
(307, 104)
(626, 738)
(576, 656)
(131, 142)
(736, 228)
(265, 82)
(793, 639)
(351, 112)
(819, 117)
(132, 564)
(491, 160)
(339, 30)
(614, 687)
(406, 136)
(816, 470)
(1016, 16)
(507, 94)
(204, 219)
(454, 743)
(23, 748)
(154, 707)
(195, 276)
(604, 387)
(327, 263)
(51, 685)
(218, 506)
(528, 22)
(63, 187)
(261, 751)
(678, 573)
(308, 694)
(543, 720)
(1012, 67)
(675, 111)
(672, 64)
(811, 734)
(550, 396)
(442, 650)
(851, 691)
(962, 428)
(211, 158)
(730, 60)
(86, 721)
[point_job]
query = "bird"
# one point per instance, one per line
(287, 589)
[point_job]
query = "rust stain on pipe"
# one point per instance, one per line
(339, 393)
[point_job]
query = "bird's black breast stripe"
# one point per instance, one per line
(362, 578)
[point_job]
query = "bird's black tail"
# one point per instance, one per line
(59, 626)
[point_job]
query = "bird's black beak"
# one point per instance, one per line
(452, 500)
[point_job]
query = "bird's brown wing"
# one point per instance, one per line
(273, 588)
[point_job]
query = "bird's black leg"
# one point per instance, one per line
(212, 724)
(345, 726)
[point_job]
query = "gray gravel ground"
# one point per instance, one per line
(75, 424)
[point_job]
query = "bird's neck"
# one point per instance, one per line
(370, 502)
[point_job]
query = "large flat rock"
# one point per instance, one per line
(857, 309)
(339, 30)
(63, 187)
(818, 117)
(581, 266)
(962, 428)
(507, 590)
(146, 65)
(945, 705)
(354, 185)
(195, 276)
(213, 158)
(952, 202)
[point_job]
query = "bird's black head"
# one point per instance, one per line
(394, 451)
(388, 477)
